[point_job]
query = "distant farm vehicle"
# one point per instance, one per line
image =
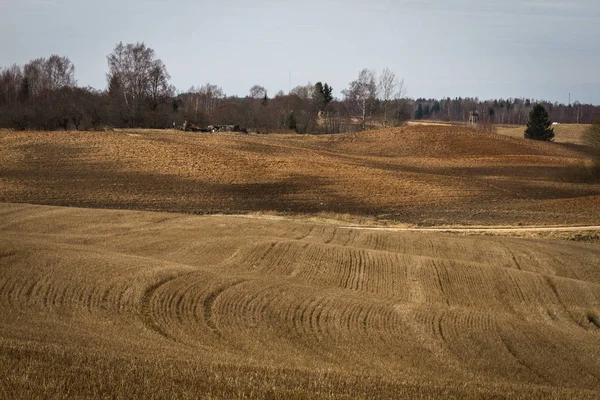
(189, 127)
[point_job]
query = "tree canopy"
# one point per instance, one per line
(539, 125)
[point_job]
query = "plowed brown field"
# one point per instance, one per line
(429, 175)
(126, 303)
(100, 303)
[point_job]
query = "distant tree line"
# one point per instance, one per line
(43, 95)
(501, 111)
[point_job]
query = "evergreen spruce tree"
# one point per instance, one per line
(292, 123)
(327, 93)
(539, 125)
(419, 112)
(319, 96)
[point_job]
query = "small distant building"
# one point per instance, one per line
(473, 117)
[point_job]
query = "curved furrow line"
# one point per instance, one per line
(314, 317)
(12, 291)
(243, 309)
(186, 312)
(349, 237)
(318, 321)
(4, 288)
(362, 276)
(301, 318)
(416, 289)
(331, 236)
(271, 259)
(356, 266)
(438, 327)
(353, 269)
(208, 304)
(523, 367)
(428, 328)
(473, 339)
(442, 281)
(267, 311)
(513, 257)
(527, 342)
(513, 286)
(305, 232)
(310, 263)
(358, 319)
(571, 292)
(384, 323)
(250, 254)
(359, 270)
(397, 281)
(48, 296)
(284, 258)
(148, 307)
(189, 306)
(171, 304)
(344, 271)
(430, 282)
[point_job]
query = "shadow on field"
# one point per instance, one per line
(69, 175)
(76, 179)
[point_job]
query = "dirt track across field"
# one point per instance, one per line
(483, 229)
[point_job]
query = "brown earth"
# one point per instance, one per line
(426, 175)
(129, 304)
(98, 303)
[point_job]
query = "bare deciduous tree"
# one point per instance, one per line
(33, 74)
(159, 90)
(387, 89)
(258, 92)
(139, 78)
(10, 83)
(212, 95)
(391, 92)
(361, 93)
(205, 100)
(59, 72)
(304, 92)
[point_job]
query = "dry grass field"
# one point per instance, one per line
(563, 133)
(112, 303)
(111, 285)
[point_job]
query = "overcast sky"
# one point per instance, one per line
(541, 49)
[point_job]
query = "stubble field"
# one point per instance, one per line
(112, 300)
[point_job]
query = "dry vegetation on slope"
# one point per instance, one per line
(564, 133)
(430, 175)
(99, 303)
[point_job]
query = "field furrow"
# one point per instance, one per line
(260, 296)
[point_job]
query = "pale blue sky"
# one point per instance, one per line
(488, 49)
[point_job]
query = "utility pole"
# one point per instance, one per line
(290, 90)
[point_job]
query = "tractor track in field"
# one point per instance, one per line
(478, 229)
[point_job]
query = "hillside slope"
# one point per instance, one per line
(96, 302)
(428, 175)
